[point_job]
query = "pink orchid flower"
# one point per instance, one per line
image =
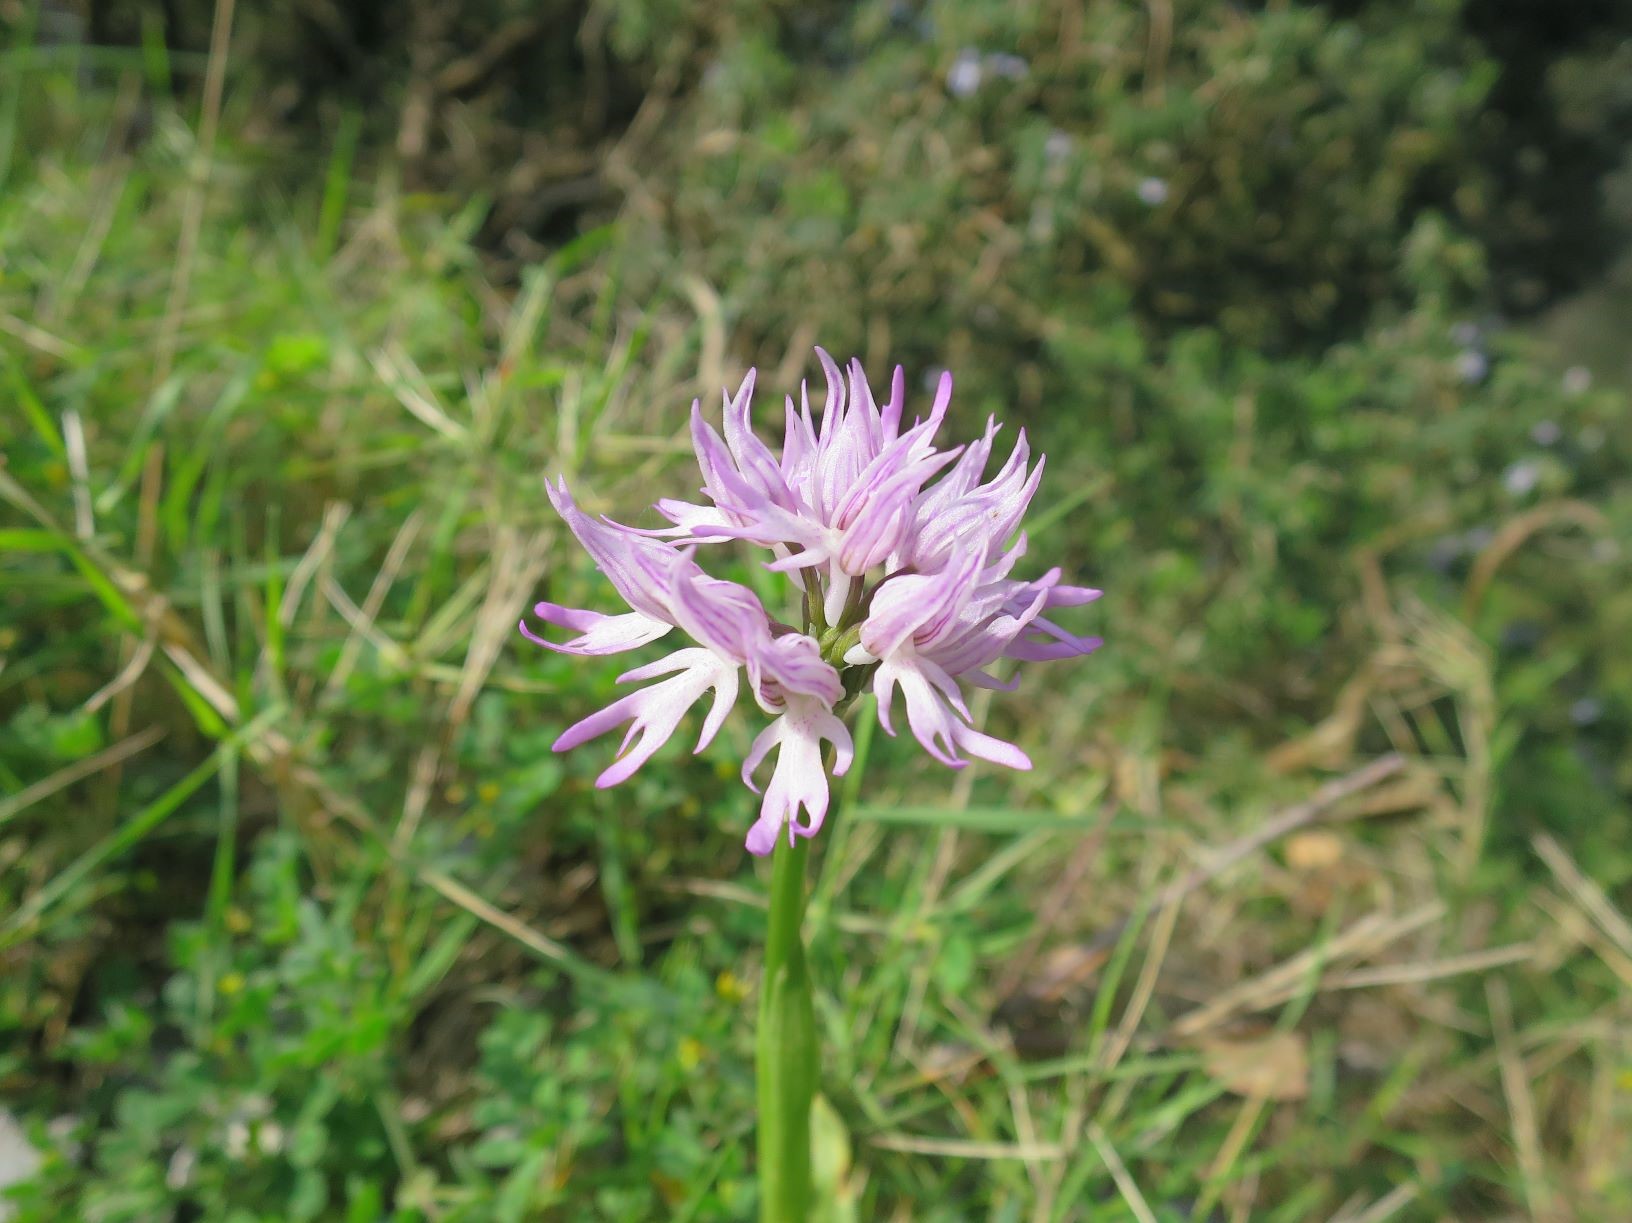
(899, 553)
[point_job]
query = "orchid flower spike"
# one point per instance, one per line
(899, 558)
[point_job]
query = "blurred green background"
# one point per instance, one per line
(1323, 315)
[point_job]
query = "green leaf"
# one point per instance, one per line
(133, 830)
(955, 966)
(832, 1200)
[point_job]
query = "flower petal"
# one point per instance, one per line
(754, 460)
(915, 606)
(799, 781)
(636, 564)
(983, 516)
(935, 720)
(762, 836)
(1043, 649)
(598, 634)
(793, 662)
(727, 618)
(654, 713)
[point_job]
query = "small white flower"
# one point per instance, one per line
(1577, 379)
(1586, 711)
(1472, 365)
(1546, 433)
(269, 1138)
(180, 1172)
(1153, 191)
(1522, 477)
(964, 77)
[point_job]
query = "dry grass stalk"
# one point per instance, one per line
(1365, 937)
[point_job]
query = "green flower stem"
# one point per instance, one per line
(837, 642)
(785, 1056)
(815, 621)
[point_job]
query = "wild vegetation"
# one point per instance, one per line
(1315, 903)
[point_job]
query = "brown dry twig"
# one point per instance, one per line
(79, 770)
(1512, 537)
(1293, 818)
(1281, 983)
(1587, 894)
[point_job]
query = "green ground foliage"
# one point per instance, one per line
(300, 919)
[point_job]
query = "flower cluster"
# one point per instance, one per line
(901, 555)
